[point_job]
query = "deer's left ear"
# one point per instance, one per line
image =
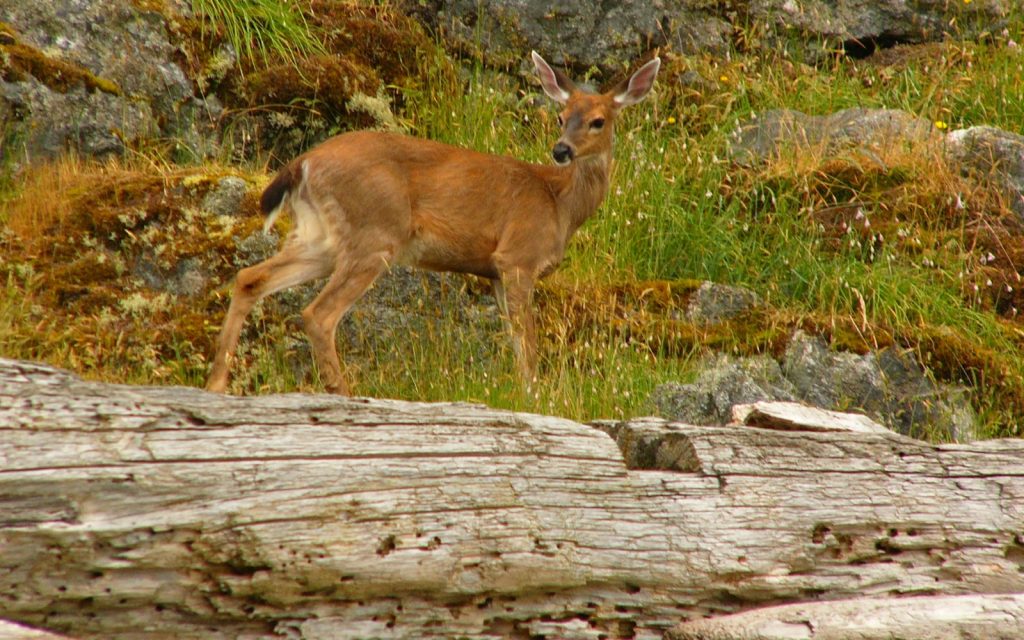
(638, 86)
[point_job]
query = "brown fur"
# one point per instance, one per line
(365, 200)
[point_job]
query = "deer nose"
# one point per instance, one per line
(562, 153)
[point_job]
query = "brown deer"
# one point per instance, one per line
(363, 201)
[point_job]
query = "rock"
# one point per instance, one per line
(714, 302)
(71, 84)
(888, 386)
(861, 26)
(609, 36)
(793, 416)
(187, 278)
(45, 122)
(652, 444)
(407, 304)
(779, 131)
(826, 378)
(992, 154)
(225, 198)
(579, 33)
(725, 382)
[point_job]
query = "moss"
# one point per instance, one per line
(378, 37)
(325, 83)
(649, 313)
(19, 61)
(118, 224)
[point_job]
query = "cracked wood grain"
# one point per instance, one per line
(132, 512)
(988, 617)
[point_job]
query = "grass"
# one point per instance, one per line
(261, 30)
(679, 211)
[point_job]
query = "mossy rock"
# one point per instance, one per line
(325, 83)
(20, 61)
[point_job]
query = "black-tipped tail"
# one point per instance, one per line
(278, 189)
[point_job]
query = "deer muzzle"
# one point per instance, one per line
(562, 153)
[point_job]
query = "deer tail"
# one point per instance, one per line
(276, 193)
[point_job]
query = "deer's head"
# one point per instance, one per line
(587, 119)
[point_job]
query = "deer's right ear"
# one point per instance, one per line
(556, 85)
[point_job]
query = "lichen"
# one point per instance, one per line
(377, 107)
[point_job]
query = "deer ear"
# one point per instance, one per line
(638, 86)
(556, 84)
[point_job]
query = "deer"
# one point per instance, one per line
(365, 200)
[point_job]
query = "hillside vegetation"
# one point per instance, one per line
(868, 250)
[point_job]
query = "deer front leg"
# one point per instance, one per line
(321, 317)
(515, 293)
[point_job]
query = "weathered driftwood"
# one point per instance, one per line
(130, 512)
(970, 617)
(13, 631)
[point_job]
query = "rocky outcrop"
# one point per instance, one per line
(581, 33)
(610, 35)
(888, 385)
(861, 26)
(95, 76)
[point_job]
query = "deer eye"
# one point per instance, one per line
(596, 124)
(561, 122)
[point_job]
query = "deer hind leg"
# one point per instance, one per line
(515, 299)
(293, 265)
(346, 285)
(502, 301)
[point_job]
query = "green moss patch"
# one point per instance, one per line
(18, 61)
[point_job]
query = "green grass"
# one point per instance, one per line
(260, 30)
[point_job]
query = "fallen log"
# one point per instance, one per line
(151, 512)
(987, 617)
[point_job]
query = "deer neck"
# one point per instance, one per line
(585, 184)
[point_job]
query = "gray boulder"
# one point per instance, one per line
(888, 385)
(779, 131)
(93, 75)
(991, 154)
(225, 199)
(713, 302)
(722, 383)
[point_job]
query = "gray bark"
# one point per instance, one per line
(131, 512)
